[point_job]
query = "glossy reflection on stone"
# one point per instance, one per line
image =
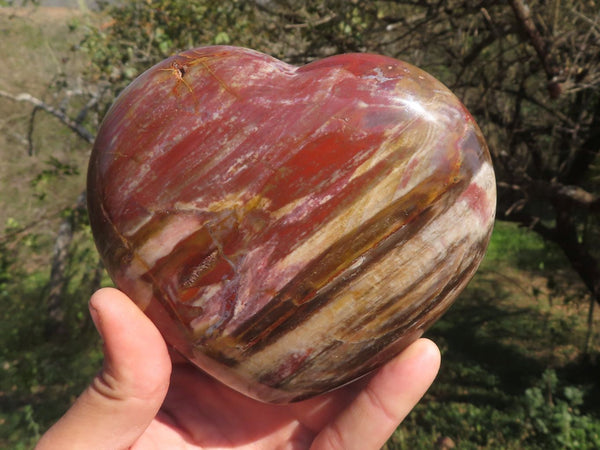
(290, 229)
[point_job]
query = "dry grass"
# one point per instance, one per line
(37, 52)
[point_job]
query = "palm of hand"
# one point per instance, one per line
(200, 412)
(153, 400)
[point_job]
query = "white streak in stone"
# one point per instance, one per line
(134, 227)
(177, 228)
(415, 106)
(352, 216)
(381, 282)
(379, 77)
(298, 209)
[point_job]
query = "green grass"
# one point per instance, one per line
(522, 248)
(499, 341)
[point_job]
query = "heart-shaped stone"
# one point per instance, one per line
(289, 229)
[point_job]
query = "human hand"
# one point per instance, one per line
(143, 400)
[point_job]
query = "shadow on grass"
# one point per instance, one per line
(492, 348)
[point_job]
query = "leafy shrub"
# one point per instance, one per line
(553, 419)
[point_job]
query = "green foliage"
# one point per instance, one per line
(546, 417)
(7, 260)
(41, 372)
(159, 28)
(137, 35)
(553, 417)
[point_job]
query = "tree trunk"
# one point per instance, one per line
(60, 259)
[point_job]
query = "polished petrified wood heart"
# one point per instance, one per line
(289, 229)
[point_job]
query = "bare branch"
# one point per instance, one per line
(553, 192)
(523, 15)
(64, 118)
(572, 195)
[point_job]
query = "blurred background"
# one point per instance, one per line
(520, 346)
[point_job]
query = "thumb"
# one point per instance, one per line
(114, 411)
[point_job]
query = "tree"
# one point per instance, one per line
(528, 72)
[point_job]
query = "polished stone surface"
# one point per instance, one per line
(290, 229)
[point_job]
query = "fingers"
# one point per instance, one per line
(124, 398)
(378, 409)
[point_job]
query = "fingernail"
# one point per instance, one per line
(94, 313)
